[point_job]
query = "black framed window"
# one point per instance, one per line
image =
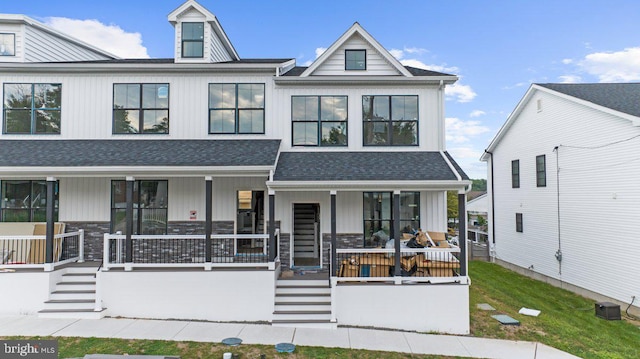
(515, 174)
(519, 222)
(32, 108)
(355, 60)
(7, 44)
(319, 120)
(140, 108)
(150, 203)
(192, 39)
(26, 201)
(236, 108)
(390, 120)
(378, 218)
(541, 171)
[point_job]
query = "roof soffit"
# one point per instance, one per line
(356, 29)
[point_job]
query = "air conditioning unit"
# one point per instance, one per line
(608, 311)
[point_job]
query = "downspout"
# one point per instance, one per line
(493, 202)
(559, 251)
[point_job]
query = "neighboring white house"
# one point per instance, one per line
(563, 173)
(232, 168)
(477, 209)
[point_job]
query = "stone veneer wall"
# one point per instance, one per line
(94, 233)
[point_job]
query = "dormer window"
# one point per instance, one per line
(192, 39)
(7, 45)
(355, 60)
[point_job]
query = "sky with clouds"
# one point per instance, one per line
(497, 48)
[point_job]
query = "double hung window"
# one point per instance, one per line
(319, 120)
(32, 108)
(236, 108)
(140, 108)
(150, 203)
(390, 120)
(26, 201)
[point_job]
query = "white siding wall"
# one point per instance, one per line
(85, 199)
(376, 64)
(430, 136)
(41, 46)
(433, 211)
(18, 30)
(87, 104)
(599, 197)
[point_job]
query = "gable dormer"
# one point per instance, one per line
(199, 38)
(356, 53)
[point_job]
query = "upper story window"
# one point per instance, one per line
(236, 108)
(319, 120)
(7, 44)
(390, 120)
(355, 59)
(26, 201)
(140, 108)
(515, 174)
(541, 171)
(193, 39)
(519, 223)
(32, 108)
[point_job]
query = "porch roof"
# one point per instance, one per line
(333, 168)
(132, 154)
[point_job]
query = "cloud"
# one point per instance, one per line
(567, 61)
(477, 113)
(461, 93)
(320, 51)
(460, 131)
(569, 79)
(110, 38)
(619, 66)
(468, 159)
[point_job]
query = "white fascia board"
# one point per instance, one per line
(23, 19)
(367, 185)
(365, 80)
(115, 171)
(525, 100)
(505, 127)
(175, 14)
(87, 67)
(356, 28)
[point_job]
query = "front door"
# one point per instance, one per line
(306, 234)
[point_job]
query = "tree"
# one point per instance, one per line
(479, 185)
(452, 205)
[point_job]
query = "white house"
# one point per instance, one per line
(196, 179)
(563, 175)
(477, 213)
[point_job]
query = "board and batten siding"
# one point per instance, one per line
(41, 46)
(598, 196)
(376, 64)
(430, 135)
(87, 104)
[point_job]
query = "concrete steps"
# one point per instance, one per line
(74, 296)
(303, 304)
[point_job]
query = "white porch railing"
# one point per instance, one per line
(434, 265)
(188, 251)
(18, 252)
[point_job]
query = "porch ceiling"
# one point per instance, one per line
(137, 156)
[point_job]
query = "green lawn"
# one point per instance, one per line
(567, 322)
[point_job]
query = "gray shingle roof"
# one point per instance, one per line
(623, 97)
(171, 61)
(363, 166)
(98, 153)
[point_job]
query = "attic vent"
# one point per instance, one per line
(539, 105)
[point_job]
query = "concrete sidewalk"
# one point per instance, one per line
(355, 338)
